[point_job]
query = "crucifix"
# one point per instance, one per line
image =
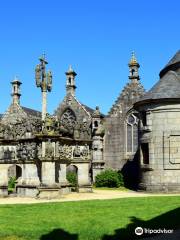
(44, 81)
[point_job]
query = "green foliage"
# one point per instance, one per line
(109, 178)
(72, 178)
(11, 183)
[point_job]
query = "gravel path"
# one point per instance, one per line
(97, 194)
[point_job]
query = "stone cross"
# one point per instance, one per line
(44, 81)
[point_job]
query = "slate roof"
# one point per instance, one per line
(173, 64)
(90, 110)
(32, 112)
(168, 86)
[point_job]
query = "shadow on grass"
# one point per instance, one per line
(59, 234)
(169, 220)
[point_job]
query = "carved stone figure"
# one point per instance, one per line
(85, 151)
(39, 150)
(85, 131)
(49, 152)
(77, 131)
(49, 125)
(77, 151)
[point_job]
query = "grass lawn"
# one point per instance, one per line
(92, 220)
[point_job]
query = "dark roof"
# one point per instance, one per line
(32, 112)
(90, 110)
(168, 87)
(173, 64)
(1, 116)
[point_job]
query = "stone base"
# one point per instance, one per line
(49, 193)
(165, 188)
(3, 191)
(65, 190)
(26, 191)
(85, 189)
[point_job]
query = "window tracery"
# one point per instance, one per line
(131, 134)
(68, 119)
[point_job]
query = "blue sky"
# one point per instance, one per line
(95, 36)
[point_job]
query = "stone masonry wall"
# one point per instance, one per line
(163, 121)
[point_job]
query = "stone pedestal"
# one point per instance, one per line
(27, 191)
(62, 174)
(4, 179)
(3, 191)
(28, 183)
(85, 189)
(48, 173)
(84, 184)
(49, 193)
(98, 161)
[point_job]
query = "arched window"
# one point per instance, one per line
(132, 72)
(95, 124)
(69, 80)
(68, 119)
(131, 134)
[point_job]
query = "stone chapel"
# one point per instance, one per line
(140, 136)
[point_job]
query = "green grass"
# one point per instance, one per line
(88, 220)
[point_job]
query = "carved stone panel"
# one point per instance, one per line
(26, 151)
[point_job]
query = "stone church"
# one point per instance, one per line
(140, 136)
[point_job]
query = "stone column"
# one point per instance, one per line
(62, 174)
(84, 184)
(48, 173)
(83, 174)
(29, 175)
(4, 179)
(44, 104)
(29, 181)
(98, 161)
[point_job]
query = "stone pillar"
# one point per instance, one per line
(29, 175)
(97, 161)
(43, 149)
(29, 181)
(48, 173)
(62, 174)
(83, 174)
(84, 184)
(4, 179)
(44, 104)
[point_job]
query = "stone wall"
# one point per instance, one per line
(114, 143)
(162, 134)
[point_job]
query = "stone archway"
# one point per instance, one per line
(14, 171)
(18, 172)
(72, 175)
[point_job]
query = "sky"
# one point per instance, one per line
(96, 37)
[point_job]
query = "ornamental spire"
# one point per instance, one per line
(133, 68)
(16, 91)
(70, 81)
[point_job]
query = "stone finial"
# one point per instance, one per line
(96, 113)
(70, 71)
(133, 59)
(16, 91)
